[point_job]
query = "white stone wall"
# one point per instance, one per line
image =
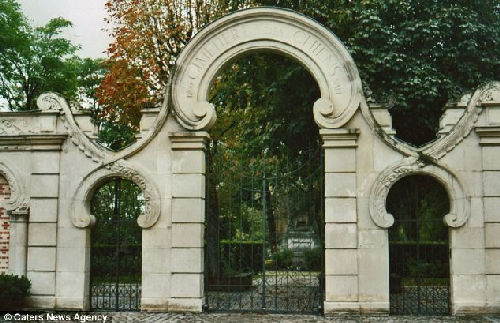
(53, 165)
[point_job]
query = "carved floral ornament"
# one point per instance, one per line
(287, 32)
(18, 202)
(80, 205)
(459, 199)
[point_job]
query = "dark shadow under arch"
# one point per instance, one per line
(116, 246)
(419, 247)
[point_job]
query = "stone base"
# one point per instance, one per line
(471, 309)
(71, 304)
(154, 304)
(42, 302)
(341, 308)
(185, 305)
(374, 308)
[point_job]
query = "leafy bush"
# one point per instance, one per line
(282, 259)
(241, 256)
(13, 291)
(312, 259)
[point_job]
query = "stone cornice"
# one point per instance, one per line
(339, 138)
(189, 140)
(489, 136)
(32, 142)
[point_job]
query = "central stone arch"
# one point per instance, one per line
(257, 29)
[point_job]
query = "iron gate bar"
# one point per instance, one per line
(427, 296)
(115, 250)
(294, 290)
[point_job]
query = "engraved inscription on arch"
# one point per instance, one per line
(294, 35)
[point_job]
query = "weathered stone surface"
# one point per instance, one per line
(42, 234)
(492, 209)
(188, 162)
(187, 285)
(341, 261)
(188, 210)
(43, 210)
(52, 167)
(341, 288)
(44, 185)
(492, 234)
(188, 185)
(341, 235)
(467, 261)
(340, 185)
(187, 260)
(187, 235)
(340, 160)
(41, 259)
(373, 267)
(342, 210)
(467, 238)
(492, 261)
(42, 283)
(491, 182)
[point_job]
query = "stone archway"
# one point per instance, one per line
(327, 60)
(287, 32)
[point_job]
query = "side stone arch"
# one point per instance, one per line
(458, 196)
(258, 29)
(80, 205)
(18, 201)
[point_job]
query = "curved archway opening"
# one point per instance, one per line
(116, 246)
(264, 233)
(419, 247)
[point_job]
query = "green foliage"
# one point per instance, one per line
(13, 291)
(418, 196)
(34, 60)
(116, 206)
(240, 256)
(264, 106)
(313, 259)
(281, 259)
(115, 136)
(416, 55)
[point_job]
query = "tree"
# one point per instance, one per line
(149, 35)
(414, 55)
(33, 61)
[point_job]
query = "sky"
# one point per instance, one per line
(87, 17)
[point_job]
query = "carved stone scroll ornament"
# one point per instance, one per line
(459, 199)
(18, 201)
(80, 206)
(53, 102)
(440, 147)
(265, 29)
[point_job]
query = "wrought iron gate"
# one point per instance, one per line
(419, 266)
(264, 236)
(115, 265)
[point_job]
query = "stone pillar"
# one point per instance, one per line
(490, 144)
(341, 233)
(188, 220)
(42, 227)
(18, 242)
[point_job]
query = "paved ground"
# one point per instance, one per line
(226, 317)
